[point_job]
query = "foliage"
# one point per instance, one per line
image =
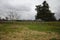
(44, 13)
(59, 20)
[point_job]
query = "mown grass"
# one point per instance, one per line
(38, 26)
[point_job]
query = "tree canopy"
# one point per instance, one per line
(44, 13)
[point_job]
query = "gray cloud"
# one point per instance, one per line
(26, 8)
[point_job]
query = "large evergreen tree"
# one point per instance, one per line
(44, 13)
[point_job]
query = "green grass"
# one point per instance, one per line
(53, 39)
(46, 26)
(29, 30)
(38, 26)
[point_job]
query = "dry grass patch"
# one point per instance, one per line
(26, 34)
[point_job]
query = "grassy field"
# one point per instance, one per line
(30, 31)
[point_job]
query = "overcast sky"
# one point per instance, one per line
(26, 8)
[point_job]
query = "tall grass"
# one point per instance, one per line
(38, 26)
